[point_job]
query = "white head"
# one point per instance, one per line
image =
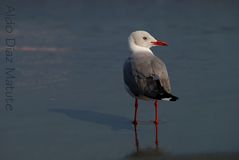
(142, 40)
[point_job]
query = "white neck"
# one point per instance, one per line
(138, 49)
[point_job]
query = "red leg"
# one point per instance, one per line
(156, 112)
(135, 111)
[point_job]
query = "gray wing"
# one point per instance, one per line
(159, 68)
(129, 78)
(146, 76)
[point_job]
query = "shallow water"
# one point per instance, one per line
(69, 98)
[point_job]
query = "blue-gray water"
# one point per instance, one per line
(69, 98)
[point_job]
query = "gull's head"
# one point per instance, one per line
(144, 39)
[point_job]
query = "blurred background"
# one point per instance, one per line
(69, 97)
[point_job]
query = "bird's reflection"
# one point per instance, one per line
(137, 140)
(154, 151)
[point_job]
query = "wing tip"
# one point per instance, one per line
(170, 98)
(174, 98)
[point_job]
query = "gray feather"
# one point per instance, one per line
(146, 75)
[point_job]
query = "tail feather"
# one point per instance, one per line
(173, 98)
(163, 94)
(169, 97)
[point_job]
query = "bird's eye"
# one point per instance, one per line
(145, 38)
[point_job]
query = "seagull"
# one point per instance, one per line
(145, 75)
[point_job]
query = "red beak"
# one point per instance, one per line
(159, 43)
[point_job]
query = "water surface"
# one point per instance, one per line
(70, 101)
